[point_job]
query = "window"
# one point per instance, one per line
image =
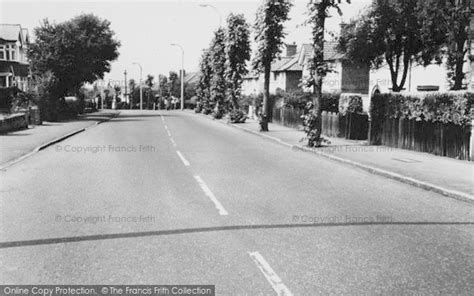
(8, 52)
(3, 81)
(11, 52)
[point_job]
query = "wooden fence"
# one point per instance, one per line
(432, 137)
(351, 126)
(290, 117)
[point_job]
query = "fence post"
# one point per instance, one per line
(471, 142)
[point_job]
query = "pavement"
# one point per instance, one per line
(448, 176)
(169, 197)
(19, 144)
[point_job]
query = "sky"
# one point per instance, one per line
(147, 28)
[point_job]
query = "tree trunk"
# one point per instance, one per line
(319, 64)
(266, 99)
(317, 105)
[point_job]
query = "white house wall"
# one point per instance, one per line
(430, 75)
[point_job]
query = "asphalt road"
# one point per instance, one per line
(169, 197)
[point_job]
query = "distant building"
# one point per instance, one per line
(344, 77)
(288, 71)
(285, 74)
(14, 67)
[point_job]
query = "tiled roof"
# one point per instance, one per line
(10, 32)
(330, 52)
(286, 64)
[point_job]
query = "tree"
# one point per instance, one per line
(174, 85)
(445, 32)
(149, 83)
(390, 29)
(269, 36)
(318, 12)
(76, 51)
(237, 49)
(204, 85)
(218, 82)
(163, 85)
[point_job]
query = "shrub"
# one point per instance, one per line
(350, 103)
(330, 102)
(237, 116)
(198, 108)
(451, 107)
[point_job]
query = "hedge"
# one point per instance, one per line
(447, 108)
(451, 107)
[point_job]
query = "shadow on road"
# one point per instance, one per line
(60, 240)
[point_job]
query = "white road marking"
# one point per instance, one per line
(211, 195)
(169, 134)
(162, 118)
(270, 275)
(186, 163)
(173, 142)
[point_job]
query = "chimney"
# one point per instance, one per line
(290, 49)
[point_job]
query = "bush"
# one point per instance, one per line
(298, 99)
(237, 116)
(330, 102)
(350, 103)
(198, 108)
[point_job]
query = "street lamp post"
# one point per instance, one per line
(141, 90)
(216, 10)
(125, 84)
(182, 74)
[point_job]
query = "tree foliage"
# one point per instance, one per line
(237, 50)
(399, 32)
(203, 89)
(75, 52)
(445, 33)
(269, 34)
(174, 84)
(218, 62)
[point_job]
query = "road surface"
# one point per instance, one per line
(170, 197)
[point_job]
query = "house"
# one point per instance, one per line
(285, 74)
(288, 71)
(14, 67)
(344, 76)
(433, 77)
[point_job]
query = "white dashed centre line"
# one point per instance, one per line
(173, 142)
(270, 275)
(186, 163)
(211, 195)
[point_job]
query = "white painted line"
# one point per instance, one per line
(173, 142)
(162, 118)
(211, 195)
(169, 134)
(270, 275)
(186, 163)
(166, 127)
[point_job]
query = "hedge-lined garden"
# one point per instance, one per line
(437, 123)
